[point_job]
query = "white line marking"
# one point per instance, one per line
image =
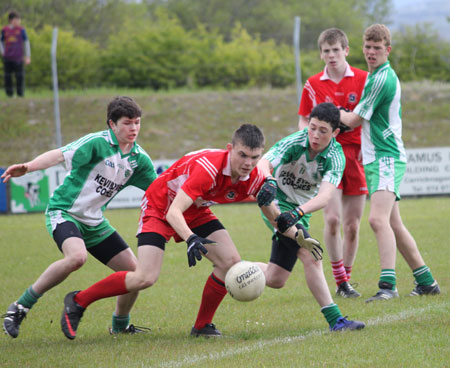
(259, 345)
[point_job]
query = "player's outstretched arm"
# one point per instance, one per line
(41, 162)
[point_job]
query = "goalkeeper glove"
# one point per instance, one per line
(304, 240)
(288, 219)
(195, 248)
(267, 192)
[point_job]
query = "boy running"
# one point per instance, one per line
(100, 165)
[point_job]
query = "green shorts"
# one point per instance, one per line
(386, 173)
(92, 235)
(287, 206)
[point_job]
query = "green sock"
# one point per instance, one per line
(331, 313)
(423, 276)
(388, 275)
(29, 298)
(120, 323)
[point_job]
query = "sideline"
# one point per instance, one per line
(259, 345)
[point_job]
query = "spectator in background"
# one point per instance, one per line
(15, 50)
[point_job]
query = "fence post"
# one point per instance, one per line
(55, 89)
(298, 72)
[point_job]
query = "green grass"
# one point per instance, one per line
(176, 122)
(283, 328)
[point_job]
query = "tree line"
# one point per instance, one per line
(207, 43)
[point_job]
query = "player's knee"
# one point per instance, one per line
(275, 282)
(225, 263)
(76, 261)
(333, 223)
(377, 223)
(351, 229)
(144, 281)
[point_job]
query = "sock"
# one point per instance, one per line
(120, 323)
(339, 273)
(348, 271)
(331, 313)
(29, 298)
(423, 276)
(112, 285)
(213, 294)
(388, 275)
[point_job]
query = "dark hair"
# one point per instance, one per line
(12, 15)
(122, 106)
(326, 112)
(249, 135)
(332, 36)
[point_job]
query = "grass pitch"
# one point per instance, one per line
(283, 328)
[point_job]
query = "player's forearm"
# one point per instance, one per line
(265, 166)
(321, 199)
(45, 160)
(351, 119)
(176, 219)
(271, 212)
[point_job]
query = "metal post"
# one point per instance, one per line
(298, 71)
(55, 89)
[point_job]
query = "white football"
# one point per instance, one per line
(245, 281)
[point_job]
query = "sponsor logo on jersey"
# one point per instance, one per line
(289, 179)
(107, 187)
(109, 163)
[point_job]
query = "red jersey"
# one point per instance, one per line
(205, 176)
(320, 88)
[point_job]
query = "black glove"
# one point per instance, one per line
(267, 192)
(288, 219)
(342, 126)
(195, 248)
(304, 240)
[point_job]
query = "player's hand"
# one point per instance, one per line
(14, 171)
(304, 240)
(195, 248)
(288, 219)
(342, 127)
(267, 192)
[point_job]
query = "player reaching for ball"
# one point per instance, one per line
(307, 167)
(176, 205)
(100, 165)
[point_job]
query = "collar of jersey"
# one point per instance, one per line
(381, 67)
(227, 169)
(113, 140)
(348, 73)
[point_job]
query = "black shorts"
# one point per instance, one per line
(157, 240)
(103, 251)
(284, 252)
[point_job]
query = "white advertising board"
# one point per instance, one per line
(427, 172)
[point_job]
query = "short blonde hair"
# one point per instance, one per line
(331, 36)
(377, 33)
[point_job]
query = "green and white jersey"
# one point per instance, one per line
(381, 109)
(298, 176)
(97, 171)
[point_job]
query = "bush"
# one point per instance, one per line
(77, 60)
